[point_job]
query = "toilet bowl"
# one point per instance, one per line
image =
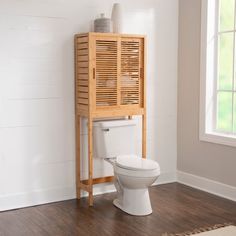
(133, 176)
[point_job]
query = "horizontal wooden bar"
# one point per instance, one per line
(99, 180)
(110, 114)
(82, 39)
(117, 112)
(82, 112)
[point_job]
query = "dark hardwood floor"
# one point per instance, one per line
(176, 208)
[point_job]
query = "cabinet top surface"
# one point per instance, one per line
(110, 34)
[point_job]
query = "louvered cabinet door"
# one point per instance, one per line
(106, 72)
(131, 80)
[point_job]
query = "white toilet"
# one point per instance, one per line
(115, 142)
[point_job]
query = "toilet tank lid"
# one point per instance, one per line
(134, 162)
(114, 123)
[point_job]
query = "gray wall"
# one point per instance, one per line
(212, 161)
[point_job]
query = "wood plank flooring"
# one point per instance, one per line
(176, 208)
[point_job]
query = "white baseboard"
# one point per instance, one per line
(207, 185)
(20, 200)
(38, 197)
(166, 178)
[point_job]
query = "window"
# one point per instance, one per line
(218, 72)
(226, 97)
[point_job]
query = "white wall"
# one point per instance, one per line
(202, 159)
(37, 92)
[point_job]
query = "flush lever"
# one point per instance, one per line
(105, 130)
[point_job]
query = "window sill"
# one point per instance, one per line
(219, 138)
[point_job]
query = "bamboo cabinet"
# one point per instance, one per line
(109, 82)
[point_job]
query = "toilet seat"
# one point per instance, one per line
(136, 163)
(136, 173)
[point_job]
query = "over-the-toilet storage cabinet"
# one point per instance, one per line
(109, 82)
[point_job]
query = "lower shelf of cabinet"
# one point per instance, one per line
(84, 184)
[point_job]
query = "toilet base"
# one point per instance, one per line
(134, 202)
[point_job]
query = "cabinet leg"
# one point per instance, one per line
(90, 200)
(77, 128)
(90, 159)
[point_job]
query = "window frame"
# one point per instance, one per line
(208, 73)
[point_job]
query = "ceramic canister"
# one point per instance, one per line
(103, 24)
(116, 18)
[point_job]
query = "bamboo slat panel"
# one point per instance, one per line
(130, 72)
(106, 73)
(82, 70)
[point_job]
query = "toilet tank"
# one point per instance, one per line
(113, 138)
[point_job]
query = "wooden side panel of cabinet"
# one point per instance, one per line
(82, 74)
